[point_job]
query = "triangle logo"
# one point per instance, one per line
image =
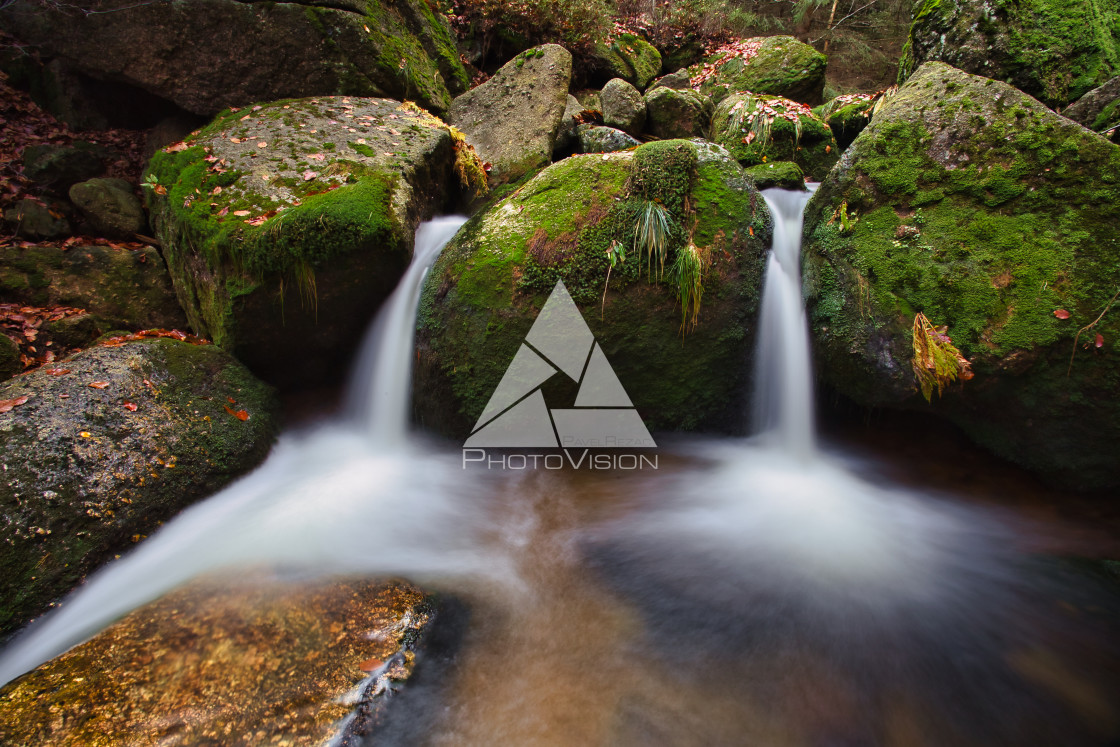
(559, 342)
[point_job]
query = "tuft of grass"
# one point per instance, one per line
(687, 276)
(652, 232)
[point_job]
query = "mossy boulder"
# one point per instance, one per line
(206, 55)
(970, 202)
(629, 57)
(782, 174)
(1055, 51)
(846, 115)
(772, 66)
(110, 207)
(490, 282)
(758, 129)
(673, 113)
(122, 288)
(286, 225)
(108, 444)
(512, 120)
(222, 642)
(623, 107)
(1099, 110)
(33, 219)
(599, 139)
(10, 363)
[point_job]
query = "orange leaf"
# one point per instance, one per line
(1061, 314)
(98, 385)
(130, 407)
(241, 213)
(239, 414)
(232, 401)
(371, 665)
(56, 371)
(8, 404)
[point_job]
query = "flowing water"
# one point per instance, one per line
(750, 591)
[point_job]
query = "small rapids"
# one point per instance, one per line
(767, 591)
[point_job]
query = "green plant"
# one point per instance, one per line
(616, 255)
(652, 232)
(937, 362)
(688, 277)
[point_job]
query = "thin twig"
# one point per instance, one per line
(1088, 327)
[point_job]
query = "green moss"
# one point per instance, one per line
(809, 143)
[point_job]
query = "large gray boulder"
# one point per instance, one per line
(106, 445)
(512, 120)
(206, 55)
(973, 204)
(673, 113)
(1054, 51)
(623, 107)
(286, 225)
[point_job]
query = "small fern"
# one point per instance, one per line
(937, 362)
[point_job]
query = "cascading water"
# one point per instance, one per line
(348, 497)
(783, 401)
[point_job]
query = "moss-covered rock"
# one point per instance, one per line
(970, 202)
(783, 174)
(512, 120)
(1099, 110)
(757, 129)
(623, 107)
(110, 207)
(673, 113)
(123, 288)
(629, 57)
(847, 115)
(206, 55)
(108, 444)
(10, 363)
(222, 642)
(772, 66)
(482, 296)
(285, 226)
(1055, 51)
(60, 166)
(33, 219)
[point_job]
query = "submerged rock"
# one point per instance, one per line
(284, 227)
(226, 661)
(970, 202)
(487, 287)
(770, 66)
(512, 120)
(123, 288)
(1055, 51)
(107, 445)
(207, 55)
(757, 129)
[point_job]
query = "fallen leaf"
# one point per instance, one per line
(130, 407)
(159, 189)
(1100, 340)
(1061, 314)
(262, 144)
(371, 665)
(231, 400)
(235, 140)
(317, 156)
(257, 108)
(84, 434)
(241, 213)
(98, 385)
(309, 175)
(216, 190)
(175, 148)
(239, 414)
(56, 371)
(223, 211)
(8, 404)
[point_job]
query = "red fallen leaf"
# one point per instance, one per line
(62, 371)
(317, 156)
(235, 140)
(8, 404)
(241, 213)
(175, 148)
(130, 407)
(159, 189)
(223, 211)
(235, 108)
(239, 414)
(258, 221)
(1061, 314)
(98, 385)
(371, 665)
(1100, 340)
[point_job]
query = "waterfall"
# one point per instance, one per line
(333, 500)
(783, 399)
(380, 382)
